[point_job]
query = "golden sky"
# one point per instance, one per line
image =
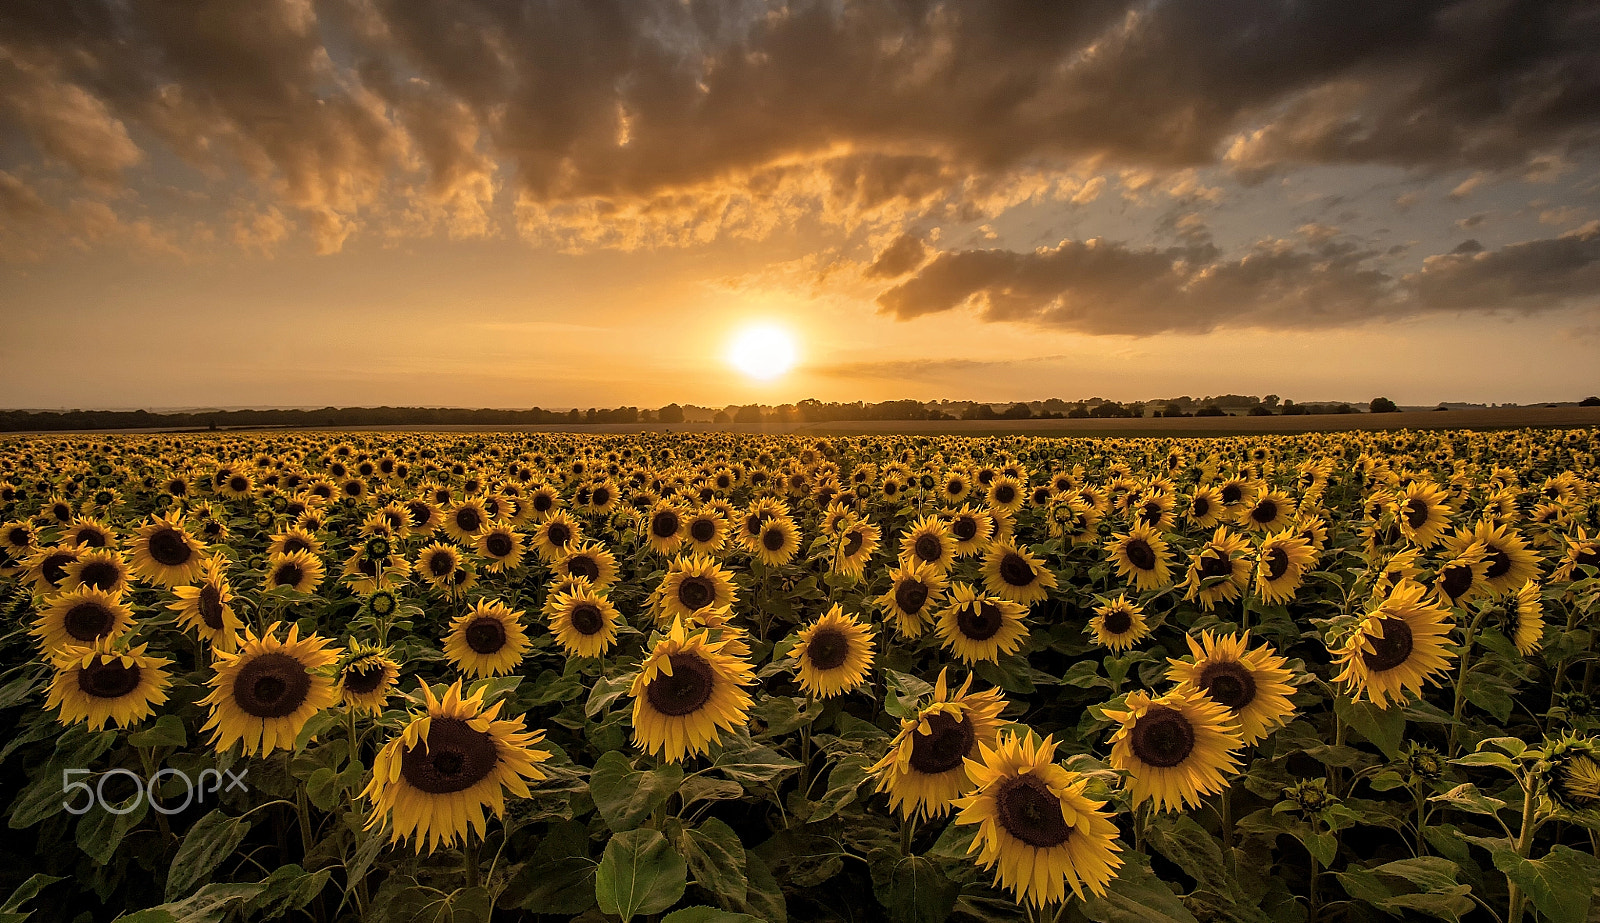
(357, 202)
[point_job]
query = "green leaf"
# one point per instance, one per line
(780, 714)
(1136, 895)
(211, 840)
(705, 788)
(16, 691)
(207, 905)
(703, 914)
(286, 890)
(744, 760)
(716, 858)
(1560, 885)
(1385, 728)
(168, 731)
(626, 796)
(559, 879)
(1188, 846)
(101, 831)
(764, 899)
(1483, 758)
(917, 891)
(639, 874)
(1467, 798)
(27, 891)
(844, 783)
(1438, 894)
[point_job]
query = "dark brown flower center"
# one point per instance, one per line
(696, 592)
(108, 678)
(773, 538)
(1213, 564)
(1391, 650)
(1499, 563)
(288, 574)
(1016, 571)
(1228, 683)
(686, 690)
(419, 511)
(664, 524)
(1162, 737)
(1266, 511)
(1416, 513)
(453, 758)
(583, 566)
(1140, 554)
(1027, 810)
(543, 502)
(170, 548)
(1277, 563)
(102, 575)
(1201, 507)
(910, 596)
(1117, 621)
(362, 679)
(271, 685)
(54, 566)
(210, 606)
(1232, 493)
(600, 496)
(499, 544)
(853, 541)
(19, 537)
(946, 744)
(559, 534)
(828, 649)
(980, 621)
(587, 619)
(927, 548)
(965, 528)
(1456, 580)
(485, 634)
(703, 530)
(92, 538)
(87, 621)
(441, 563)
(295, 543)
(468, 519)
(1004, 494)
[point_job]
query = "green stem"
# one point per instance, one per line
(469, 856)
(1461, 682)
(1515, 898)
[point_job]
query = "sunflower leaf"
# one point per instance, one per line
(744, 760)
(1136, 895)
(605, 691)
(639, 874)
(626, 796)
(210, 841)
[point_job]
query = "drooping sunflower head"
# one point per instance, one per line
(915, 590)
(81, 617)
(487, 640)
(1219, 570)
(165, 554)
(978, 627)
(1141, 556)
(1254, 685)
(971, 530)
(1205, 507)
(19, 538)
(925, 768)
(1396, 648)
(1175, 749)
(263, 695)
(1119, 624)
(206, 607)
(46, 568)
(1037, 826)
(100, 684)
(1012, 572)
(367, 674)
(431, 784)
(833, 654)
(1511, 562)
(1462, 577)
(1524, 616)
(1424, 513)
(688, 691)
(857, 540)
(583, 621)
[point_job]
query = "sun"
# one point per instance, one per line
(762, 351)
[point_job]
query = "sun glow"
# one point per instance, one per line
(762, 351)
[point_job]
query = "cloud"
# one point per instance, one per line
(902, 255)
(1100, 287)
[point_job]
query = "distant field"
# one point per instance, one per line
(1495, 418)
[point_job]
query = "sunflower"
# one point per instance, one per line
(89, 532)
(501, 546)
(663, 527)
(1011, 572)
(1270, 512)
(366, 573)
(466, 519)
(46, 568)
(1219, 570)
(300, 572)
(206, 607)
(978, 627)
(1037, 827)
(688, 690)
(430, 784)
(81, 617)
(1140, 555)
(1253, 685)
(592, 562)
(1281, 565)
(1396, 648)
(437, 563)
(423, 518)
(925, 768)
(367, 674)
(1236, 492)
(543, 502)
(693, 583)
(856, 543)
(1175, 749)
(1525, 619)
(914, 589)
(1119, 624)
(263, 695)
(98, 684)
(1581, 551)
(778, 541)
(1006, 493)
(1511, 564)
(705, 531)
(971, 531)
(1462, 577)
(1424, 513)
(1205, 508)
(834, 654)
(100, 569)
(489, 640)
(755, 517)
(294, 539)
(583, 622)
(555, 534)
(929, 542)
(19, 538)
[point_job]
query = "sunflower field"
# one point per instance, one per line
(715, 678)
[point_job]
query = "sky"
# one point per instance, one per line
(509, 204)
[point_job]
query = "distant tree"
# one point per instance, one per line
(1018, 411)
(1589, 402)
(1211, 410)
(980, 411)
(1261, 410)
(671, 413)
(1136, 409)
(1271, 401)
(1173, 409)
(1079, 412)
(1382, 405)
(721, 419)
(574, 416)
(749, 413)
(1291, 409)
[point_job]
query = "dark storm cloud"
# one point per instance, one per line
(1096, 287)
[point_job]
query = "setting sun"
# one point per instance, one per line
(762, 351)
